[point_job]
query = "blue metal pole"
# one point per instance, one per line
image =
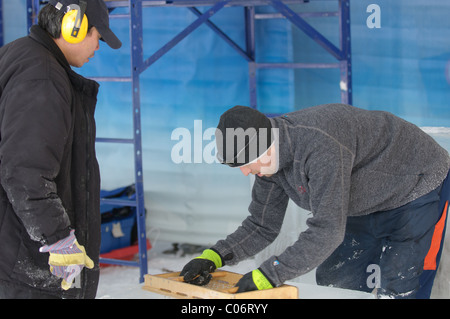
(32, 12)
(197, 3)
(250, 31)
(250, 47)
(135, 7)
(346, 62)
(298, 65)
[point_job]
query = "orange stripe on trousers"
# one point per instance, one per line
(430, 259)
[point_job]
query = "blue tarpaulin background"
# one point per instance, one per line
(401, 67)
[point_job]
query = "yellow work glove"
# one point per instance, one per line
(67, 259)
(254, 280)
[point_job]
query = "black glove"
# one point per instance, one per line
(254, 280)
(198, 270)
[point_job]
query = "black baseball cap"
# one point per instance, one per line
(242, 135)
(98, 16)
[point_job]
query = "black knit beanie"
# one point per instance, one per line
(242, 135)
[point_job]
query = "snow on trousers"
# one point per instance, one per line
(396, 251)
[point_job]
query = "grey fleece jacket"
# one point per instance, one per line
(335, 160)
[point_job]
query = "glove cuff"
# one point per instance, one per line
(261, 281)
(63, 244)
(213, 256)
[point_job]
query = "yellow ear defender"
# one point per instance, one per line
(74, 25)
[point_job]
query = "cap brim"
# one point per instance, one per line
(110, 38)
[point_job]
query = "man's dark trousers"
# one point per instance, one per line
(396, 251)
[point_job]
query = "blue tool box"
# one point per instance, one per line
(118, 222)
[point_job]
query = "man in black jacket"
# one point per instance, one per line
(49, 176)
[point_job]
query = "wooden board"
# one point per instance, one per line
(169, 284)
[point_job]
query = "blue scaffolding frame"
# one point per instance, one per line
(138, 65)
(341, 54)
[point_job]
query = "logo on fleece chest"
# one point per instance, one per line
(298, 191)
(301, 190)
(298, 183)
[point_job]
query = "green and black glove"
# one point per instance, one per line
(254, 280)
(198, 270)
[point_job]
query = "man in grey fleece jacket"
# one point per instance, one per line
(371, 180)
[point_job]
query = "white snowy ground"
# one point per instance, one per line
(120, 282)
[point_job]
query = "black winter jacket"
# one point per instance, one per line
(49, 174)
